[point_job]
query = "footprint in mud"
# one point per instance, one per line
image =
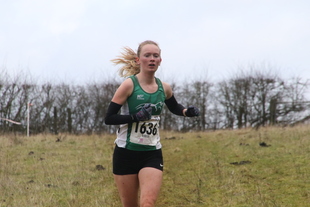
(264, 144)
(241, 162)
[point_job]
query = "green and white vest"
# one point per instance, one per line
(143, 135)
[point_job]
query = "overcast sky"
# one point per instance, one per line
(74, 40)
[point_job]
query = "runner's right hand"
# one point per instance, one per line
(144, 114)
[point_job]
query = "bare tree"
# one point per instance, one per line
(14, 94)
(292, 107)
(246, 98)
(265, 87)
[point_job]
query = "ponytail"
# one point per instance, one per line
(128, 60)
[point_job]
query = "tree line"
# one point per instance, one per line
(251, 99)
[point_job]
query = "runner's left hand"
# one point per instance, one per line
(192, 111)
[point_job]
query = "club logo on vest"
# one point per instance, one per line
(156, 107)
(140, 97)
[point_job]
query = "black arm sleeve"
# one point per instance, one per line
(113, 118)
(174, 106)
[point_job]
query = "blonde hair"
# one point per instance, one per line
(128, 59)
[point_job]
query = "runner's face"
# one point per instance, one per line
(149, 57)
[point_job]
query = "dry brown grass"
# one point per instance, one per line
(74, 171)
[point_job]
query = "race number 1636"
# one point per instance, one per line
(146, 128)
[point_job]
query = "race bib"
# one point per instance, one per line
(145, 132)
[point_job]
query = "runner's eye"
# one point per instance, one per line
(154, 55)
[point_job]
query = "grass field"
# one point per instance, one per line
(221, 168)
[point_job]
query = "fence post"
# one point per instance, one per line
(273, 111)
(28, 117)
(55, 121)
(69, 120)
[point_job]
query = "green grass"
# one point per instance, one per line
(40, 171)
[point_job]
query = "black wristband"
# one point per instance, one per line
(174, 106)
(113, 118)
(134, 118)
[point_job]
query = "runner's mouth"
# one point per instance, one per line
(152, 65)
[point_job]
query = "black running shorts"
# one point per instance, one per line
(127, 162)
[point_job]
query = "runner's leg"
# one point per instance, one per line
(150, 182)
(128, 188)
